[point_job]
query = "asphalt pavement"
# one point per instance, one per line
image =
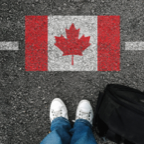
(25, 97)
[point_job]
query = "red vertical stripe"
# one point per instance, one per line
(108, 43)
(36, 54)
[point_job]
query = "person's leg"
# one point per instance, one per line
(60, 126)
(82, 131)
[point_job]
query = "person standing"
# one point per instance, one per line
(61, 130)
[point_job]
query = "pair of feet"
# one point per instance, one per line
(59, 109)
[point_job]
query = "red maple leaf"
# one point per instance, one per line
(72, 45)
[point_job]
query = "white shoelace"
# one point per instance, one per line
(57, 113)
(83, 115)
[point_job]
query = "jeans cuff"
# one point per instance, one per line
(84, 121)
(60, 119)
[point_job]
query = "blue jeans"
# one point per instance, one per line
(62, 133)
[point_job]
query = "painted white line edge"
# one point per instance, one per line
(134, 45)
(12, 45)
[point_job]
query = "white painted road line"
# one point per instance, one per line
(13, 45)
(134, 45)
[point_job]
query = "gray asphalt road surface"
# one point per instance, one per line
(25, 97)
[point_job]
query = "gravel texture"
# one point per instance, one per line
(25, 97)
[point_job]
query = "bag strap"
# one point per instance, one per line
(127, 142)
(116, 138)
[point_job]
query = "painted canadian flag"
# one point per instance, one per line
(72, 43)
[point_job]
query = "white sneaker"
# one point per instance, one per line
(84, 111)
(58, 109)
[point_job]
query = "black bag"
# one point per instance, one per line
(119, 114)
